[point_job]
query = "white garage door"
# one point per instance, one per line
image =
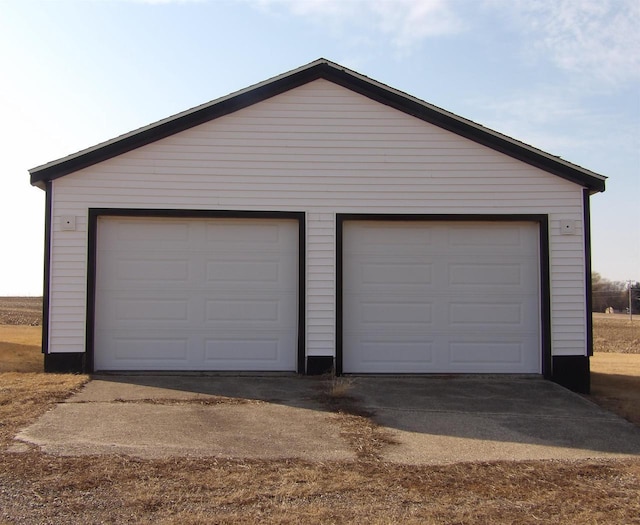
(441, 297)
(196, 294)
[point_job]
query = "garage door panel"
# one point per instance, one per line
(481, 274)
(484, 239)
(405, 355)
(238, 310)
(215, 294)
(471, 296)
(372, 239)
(485, 274)
(381, 312)
(485, 314)
(150, 350)
(254, 233)
(392, 272)
(136, 310)
(150, 268)
(235, 352)
(389, 276)
(390, 312)
(236, 349)
(263, 272)
(242, 271)
(494, 355)
(126, 310)
(146, 235)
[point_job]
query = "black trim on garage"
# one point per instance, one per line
(545, 296)
(572, 372)
(65, 363)
(586, 221)
(46, 292)
(545, 303)
(95, 213)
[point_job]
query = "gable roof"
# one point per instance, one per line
(337, 74)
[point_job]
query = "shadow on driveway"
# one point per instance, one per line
(437, 419)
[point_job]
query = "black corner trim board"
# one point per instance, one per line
(319, 365)
(572, 372)
(338, 75)
(586, 215)
(545, 296)
(96, 213)
(65, 363)
(46, 266)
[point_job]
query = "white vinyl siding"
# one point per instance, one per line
(320, 149)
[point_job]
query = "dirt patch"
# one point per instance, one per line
(21, 311)
(208, 401)
(616, 334)
(365, 437)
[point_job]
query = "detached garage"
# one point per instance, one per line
(318, 220)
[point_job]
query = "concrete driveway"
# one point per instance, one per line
(413, 420)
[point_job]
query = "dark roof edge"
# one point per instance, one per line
(320, 68)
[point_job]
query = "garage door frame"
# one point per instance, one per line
(96, 213)
(545, 300)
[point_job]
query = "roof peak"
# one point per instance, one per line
(343, 76)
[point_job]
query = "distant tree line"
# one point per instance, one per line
(614, 294)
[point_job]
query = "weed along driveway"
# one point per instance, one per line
(412, 420)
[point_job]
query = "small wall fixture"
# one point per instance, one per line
(567, 227)
(68, 223)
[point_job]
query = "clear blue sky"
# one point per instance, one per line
(561, 75)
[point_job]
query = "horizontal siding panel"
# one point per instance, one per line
(212, 176)
(324, 158)
(224, 142)
(65, 338)
(64, 348)
(342, 205)
(68, 317)
(321, 191)
(70, 260)
(568, 340)
(567, 297)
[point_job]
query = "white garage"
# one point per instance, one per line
(441, 297)
(318, 221)
(196, 294)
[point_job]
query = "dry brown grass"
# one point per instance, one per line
(615, 365)
(112, 489)
(20, 348)
(25, 396)
(339, 387)
(38, 488)
(615, 383)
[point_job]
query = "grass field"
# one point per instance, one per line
(38, 488)
(616, 334)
